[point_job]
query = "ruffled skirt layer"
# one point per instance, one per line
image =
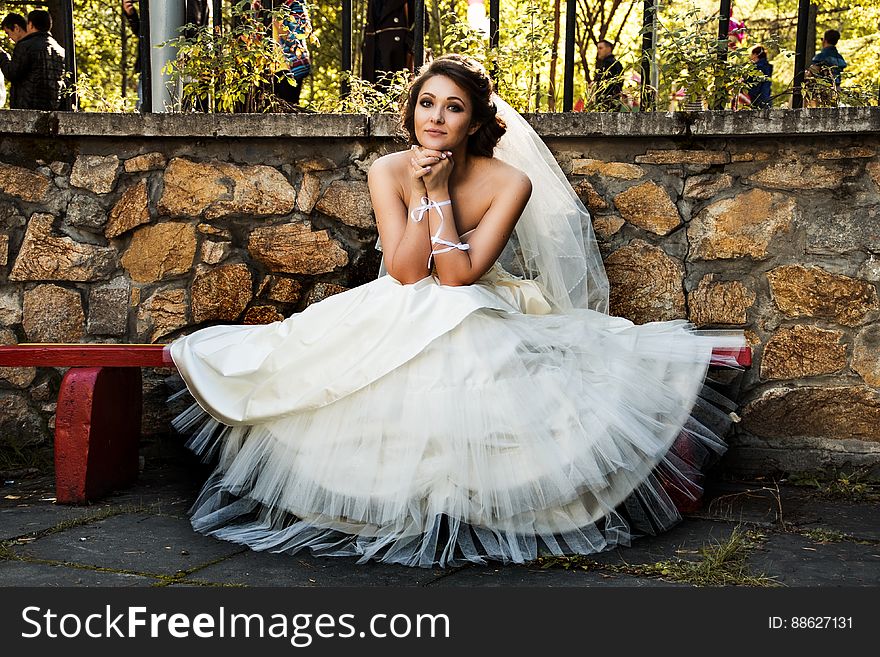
(430, 425)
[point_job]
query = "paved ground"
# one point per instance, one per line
(795, 536)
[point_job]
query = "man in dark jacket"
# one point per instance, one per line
(388, 38)
(609, 78)
(822, 83)
(828, 58)
(36, 67)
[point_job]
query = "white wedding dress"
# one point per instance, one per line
(425, 424)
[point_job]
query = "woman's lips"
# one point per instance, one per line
(435, 132)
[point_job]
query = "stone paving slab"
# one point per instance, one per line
(683, 541)
(746, 503)
(30, 519)
(268, 569)
(551, 577)
(173, 487)
(136, 542)
(21, 573)
(859, 520)
(796, 560)
(797, 506)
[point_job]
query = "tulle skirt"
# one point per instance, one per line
(488, 432)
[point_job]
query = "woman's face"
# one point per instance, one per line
(442, 116)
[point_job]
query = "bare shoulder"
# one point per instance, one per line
(507, 179)
(391, 165)
(386, 176)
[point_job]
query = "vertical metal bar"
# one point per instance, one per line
(123, 63)
(494, 21)
(723, 19)
(70, 103)
(419, 35)
(811, 33)
(217, 24)
(146, 57)
(217, 15)
(648, 14)
(723, 33)
(494, 36)
(538, 91)
(568, 71)
(346, 46)
(800, 55)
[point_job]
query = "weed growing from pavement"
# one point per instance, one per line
(855, 486)
(723, 563)
(16, 461)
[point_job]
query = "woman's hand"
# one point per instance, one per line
(430, 169)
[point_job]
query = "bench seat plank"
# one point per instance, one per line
(85, 355)
(157, 355)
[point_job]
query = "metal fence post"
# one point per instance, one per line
(146, 55)
(649, 15)
(345, 87)
(419, 35)
(723, 32)
(800, 55)
(568, 83)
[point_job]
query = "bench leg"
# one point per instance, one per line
(97, 430)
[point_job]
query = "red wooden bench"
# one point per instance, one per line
(98, 416)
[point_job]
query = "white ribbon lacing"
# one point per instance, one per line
(426, 205)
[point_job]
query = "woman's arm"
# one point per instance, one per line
(405, 244)
(463, 267)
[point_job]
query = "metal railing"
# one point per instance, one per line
(648, 45)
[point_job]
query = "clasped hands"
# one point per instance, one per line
(430, 172)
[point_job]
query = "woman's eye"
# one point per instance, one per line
(426, 103)
(455, 108)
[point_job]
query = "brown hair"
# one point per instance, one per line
(471, 76)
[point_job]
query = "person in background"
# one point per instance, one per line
(826, 66)
(759, 89)
(828, 58)
(609, 77)
(36, 67)
(388, 39)
(290, 32)
(15, 27)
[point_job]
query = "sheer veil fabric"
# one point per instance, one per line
(554, 242)
(426, 425)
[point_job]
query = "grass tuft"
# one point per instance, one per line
(720, 564)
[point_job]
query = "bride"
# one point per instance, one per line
(475, 401)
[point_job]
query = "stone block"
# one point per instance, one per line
(801, 351)
(649, 207)
(742, 226)
(349, 201)
(53, 314)
(159, 251)
(295, 249)
(131, 210)
(721, 302)
(646, 283)
(800, 291)
(47, 257)
(221, 293)
(96, 173)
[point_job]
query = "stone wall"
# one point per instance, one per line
(141, 228)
